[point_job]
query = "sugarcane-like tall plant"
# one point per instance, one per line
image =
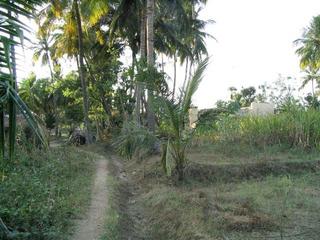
(176, 128)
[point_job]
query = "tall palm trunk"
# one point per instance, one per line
(174, 75)
(82, 71)
(185, 74)
(55, 110)
(190, 69)
(139, 87)
(133, 65)
(150, 58)
(312, 83)
(47, 52)
(162, 63)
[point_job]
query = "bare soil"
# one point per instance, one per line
(131, 215)
(92, 225)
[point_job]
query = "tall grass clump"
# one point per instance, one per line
(295, 129)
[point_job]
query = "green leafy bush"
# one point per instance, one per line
(40, 193)
(134, 140)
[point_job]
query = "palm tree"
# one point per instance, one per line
(81, 68)
(309, 52)
(139, 88)
(175, 115)
(195, 37)
(167, 31)
(181, 35)
(28, 94)
(309, 45)
(42, 49)
(71, 38)
(150, 59)
(311, 75)
(43, 52)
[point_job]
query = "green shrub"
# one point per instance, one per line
(134, 140)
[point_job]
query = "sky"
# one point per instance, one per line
(254, 44)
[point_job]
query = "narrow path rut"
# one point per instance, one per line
(92, 225)
(132, 223)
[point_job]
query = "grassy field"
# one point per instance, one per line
(226, 153)
(258, 204)
(42, 192)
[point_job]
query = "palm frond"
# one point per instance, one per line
(11, 29)
(28, 115)
(193, 85)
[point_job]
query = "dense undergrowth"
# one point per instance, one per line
(41, 192)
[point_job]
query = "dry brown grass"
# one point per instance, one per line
(237, 200)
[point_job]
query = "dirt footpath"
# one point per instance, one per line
(92, 225)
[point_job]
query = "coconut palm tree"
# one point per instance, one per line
(76, 16)
(195, 37)
(178, 135)
(309, 52)
(170, 22)
(43, 52)
(81, 68)
(309, 45)
(311, 75)
(42, 49)
(150, 59)
(28, 93)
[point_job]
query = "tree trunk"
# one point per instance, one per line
(55, 110)
(162, 63)
(49, 64)
(139, 87)
(82, 72)
(133, 64)
(150, 58)
(180, 169)
(174, 75)
(185, 75)
(190, 70)
(312, 83)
